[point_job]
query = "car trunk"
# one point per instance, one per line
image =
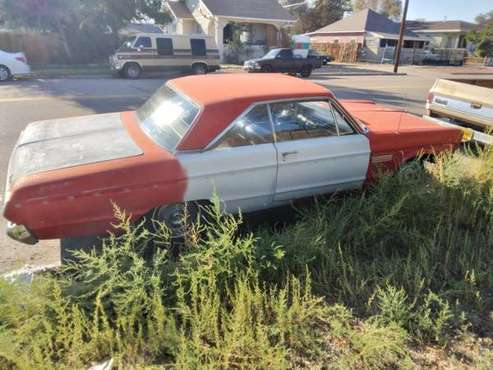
(391, 128)
(62, 143)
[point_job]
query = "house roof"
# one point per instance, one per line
(459, 26)
(252, 9)
(365, 20)
(179, 9)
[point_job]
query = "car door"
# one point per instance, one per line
(318, 149)
(240, 166)
(285, 60)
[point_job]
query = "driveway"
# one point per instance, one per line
(22, 102)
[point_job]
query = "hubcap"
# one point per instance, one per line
(133, 71)
(4, 74)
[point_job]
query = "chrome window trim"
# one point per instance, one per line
(331, 112)
(214, 142)
(351, 120)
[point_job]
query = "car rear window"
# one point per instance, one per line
(167, 116)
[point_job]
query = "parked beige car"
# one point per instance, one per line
(466, 101)
(160, 52)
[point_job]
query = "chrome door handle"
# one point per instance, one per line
(476, 105)
(285, 154)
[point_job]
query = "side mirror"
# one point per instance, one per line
(128, 44)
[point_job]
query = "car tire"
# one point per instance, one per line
(132, 71)
(5, 74)
(177, 217)
(199, 69)
(306, 71)
(83, 243)
(266, 69)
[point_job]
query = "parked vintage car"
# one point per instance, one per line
(154, 52)
(284, 60)
(466, 101)
(13, 65)
(257, 141)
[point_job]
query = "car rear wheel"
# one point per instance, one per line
(199, 69)
(306, 71)
(178, 218)
(132, 71)
(5, 74)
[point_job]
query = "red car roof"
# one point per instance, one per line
(224, 97)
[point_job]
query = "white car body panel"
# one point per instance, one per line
(322, 165)
(16, 67)
(240, 184)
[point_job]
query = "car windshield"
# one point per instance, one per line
(271, 54)
(127, 43)
(167, 116)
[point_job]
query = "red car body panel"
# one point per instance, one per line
(397, 137)
(79, 200)
(227, 96)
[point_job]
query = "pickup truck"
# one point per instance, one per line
(284, 60)
(467, 101)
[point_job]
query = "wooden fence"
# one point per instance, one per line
(40, 48)
(340, 52)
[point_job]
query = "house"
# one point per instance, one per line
(443, 34)
(262, 23)
(376, 35)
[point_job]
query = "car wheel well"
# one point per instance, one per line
(197, 64)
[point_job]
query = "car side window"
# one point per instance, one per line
(164, 46)
(303, 120)
(143, 42)
(198, 47)
(343, 124)
(285, 54)
(254, 128)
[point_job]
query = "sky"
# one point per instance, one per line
(436, 10)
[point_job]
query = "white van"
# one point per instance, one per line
(161, 51)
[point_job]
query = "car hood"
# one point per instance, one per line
(62, 143)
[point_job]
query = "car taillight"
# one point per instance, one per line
(430, 97)
(21, 59)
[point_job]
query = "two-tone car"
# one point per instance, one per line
(257, 141)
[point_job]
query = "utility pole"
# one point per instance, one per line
(401, 37)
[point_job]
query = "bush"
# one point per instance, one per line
(410, 256)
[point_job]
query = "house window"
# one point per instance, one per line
(198, 47)
(387, 43)
(164, 46)
(143, 42)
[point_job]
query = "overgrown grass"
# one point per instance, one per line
(371, 280)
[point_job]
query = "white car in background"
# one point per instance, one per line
(13, 65)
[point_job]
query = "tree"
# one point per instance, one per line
(84, 27)
(388, 8)
(322, 13)
(484, 17)
(483, 38)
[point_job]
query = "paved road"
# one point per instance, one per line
(22, 102)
